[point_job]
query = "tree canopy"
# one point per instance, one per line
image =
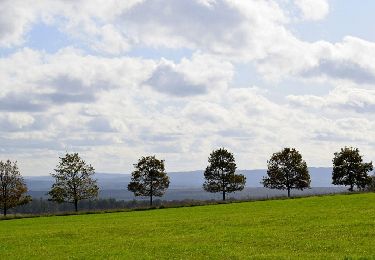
(149, 178)
(286, 171)
(73, 181)
(350, 170)
(220, 175)
(13, 188)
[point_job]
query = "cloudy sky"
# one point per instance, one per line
(115, 80)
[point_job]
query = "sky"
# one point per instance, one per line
(116, 80)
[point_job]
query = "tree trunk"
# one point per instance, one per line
(152, 189)
(288, 192)
(5, 207)
(76, 205)
(223, 195)
(351, 187)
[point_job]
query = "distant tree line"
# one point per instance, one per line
(45, 206)
(75, 184)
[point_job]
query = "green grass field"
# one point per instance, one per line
(317, 227)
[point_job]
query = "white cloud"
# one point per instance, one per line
(195, 76)
(87, 20)
(226, 27)
(16, 121)
(351, 60)
(313, 9)
(166, 79)
(348, 99)
(236, 29)
(15, 20)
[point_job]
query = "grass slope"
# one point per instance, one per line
(317, 227)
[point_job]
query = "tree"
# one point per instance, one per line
(286, 171)
(73, 181)
(220, 175)
(13, 188)
(371, 184)
(350, 170)
(149, 178)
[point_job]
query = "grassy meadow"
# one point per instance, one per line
(337, 226)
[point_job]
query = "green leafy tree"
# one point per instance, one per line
(220, 175)
(13, 188)
(286, 171)
(149, 178)
(350, 170)
(73, 181)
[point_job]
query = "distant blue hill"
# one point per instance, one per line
(320, 177)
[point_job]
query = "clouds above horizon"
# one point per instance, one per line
(110, 93)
